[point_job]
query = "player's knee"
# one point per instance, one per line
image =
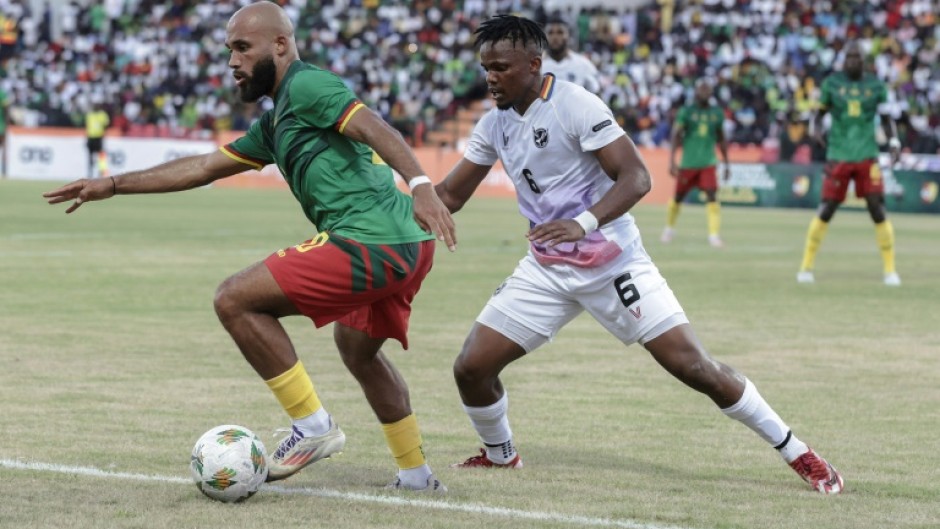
(225, 302)
(463, 373)
(827, 210)
(468, 372)
(876, 209)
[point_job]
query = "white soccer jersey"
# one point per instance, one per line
(574, 68)
(548, 155)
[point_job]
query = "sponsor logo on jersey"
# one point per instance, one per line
(505, 140)
(602, 125)
(541, 137)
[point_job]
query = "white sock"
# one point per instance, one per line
(791, 448)
(415, 478)
(492, 425)
(754, 412)
(315, 424)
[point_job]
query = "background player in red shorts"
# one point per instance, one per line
(698, 127)
(852, 99)
(361, 271)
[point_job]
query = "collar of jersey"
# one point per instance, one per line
(545, 93)
(291, 70)
(548, 86)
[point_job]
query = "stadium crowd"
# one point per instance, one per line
(153, 63)
(767, 59)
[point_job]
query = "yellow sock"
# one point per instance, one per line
(294, 390)
(814, 237)
(884, 234)
(672, 213)
(713, 212)
(404, 441)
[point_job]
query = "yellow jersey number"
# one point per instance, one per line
(854, 109)
(315, 242)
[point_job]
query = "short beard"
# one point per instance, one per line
(261, 82)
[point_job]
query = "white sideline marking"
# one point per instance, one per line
(585, 521)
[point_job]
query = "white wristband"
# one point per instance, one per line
(418, 180)
(587, 220)
(894, 143)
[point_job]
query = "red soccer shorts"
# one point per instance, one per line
(866, 174)
(702, 178)
(368, 287)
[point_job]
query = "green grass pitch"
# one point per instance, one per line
(113, 363)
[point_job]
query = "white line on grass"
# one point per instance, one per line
(585, 521)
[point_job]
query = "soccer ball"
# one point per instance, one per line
(229, 463)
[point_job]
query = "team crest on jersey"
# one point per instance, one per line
(541, 137)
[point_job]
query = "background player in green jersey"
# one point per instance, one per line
(362, 270)
(852, 99)
(697, 128)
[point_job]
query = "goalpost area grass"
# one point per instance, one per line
(113, 361)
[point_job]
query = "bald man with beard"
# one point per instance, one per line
(362, 269)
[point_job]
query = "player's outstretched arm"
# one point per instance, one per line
(175, 175)
(460, 184)
(622, 163)
(367, 127)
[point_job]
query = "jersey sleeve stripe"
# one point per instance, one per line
(238, 157)
(548, 84)
(343, 120)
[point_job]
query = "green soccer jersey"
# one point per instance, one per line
(853, 106)
(701, 127)
(342, 185)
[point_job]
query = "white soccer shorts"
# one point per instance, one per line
(628, 296)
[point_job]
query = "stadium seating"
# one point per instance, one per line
(156, 63)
